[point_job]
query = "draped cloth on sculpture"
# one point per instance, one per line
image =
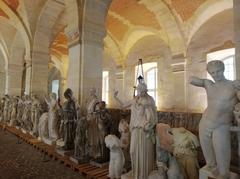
(143, 120)
(93, 128)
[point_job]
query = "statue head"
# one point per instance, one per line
(93, 91)
(141, 89)
(216, 69)
(68, 93)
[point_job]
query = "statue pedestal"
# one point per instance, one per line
(49, 141)
(204, 173)
(127, 175)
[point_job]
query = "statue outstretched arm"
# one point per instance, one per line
(122, 105)
(196, 81)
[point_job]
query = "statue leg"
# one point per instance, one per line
(222, 146)
(205, 135)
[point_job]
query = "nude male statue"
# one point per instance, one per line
(214, 126)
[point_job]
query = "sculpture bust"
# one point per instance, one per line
(214, 126)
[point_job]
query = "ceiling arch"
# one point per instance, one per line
(207, 10)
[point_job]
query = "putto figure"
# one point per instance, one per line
(214, 127)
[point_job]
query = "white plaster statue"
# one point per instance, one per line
(237, 118)
(6, 108)
(43, 126)
(123, 128)
(13, 115)
(167, 166)
(2, 108)
(20, 109)
(185, 151)
(52, 117)
(26, 117)
(93, 127)
(116, 156)
(35, 113)
(142, 123)
(214, 126)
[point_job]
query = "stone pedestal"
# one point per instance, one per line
(49, 141)
(204, 173)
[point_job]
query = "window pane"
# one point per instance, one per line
(151, 79)
(55, 87)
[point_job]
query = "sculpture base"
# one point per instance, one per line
(64, 152)
(204, 173)
(60, 143)
(127, 175)
(24, 131)
(98, 164)
(78, 160)
(49, 141)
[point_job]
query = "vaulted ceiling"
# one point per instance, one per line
(173, 21)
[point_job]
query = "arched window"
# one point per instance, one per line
(55, 87)
(150, 78)
(227, 56)
(105, 86)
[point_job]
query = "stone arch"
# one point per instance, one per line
(169, 24)
(207, 37)
(17, 22)
(51, 21)
(206, 11)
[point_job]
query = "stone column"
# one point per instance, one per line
(28, 76)
(14, 79)
(39, 77)
(236, 20)
(179, 73)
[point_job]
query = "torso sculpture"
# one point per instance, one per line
(214, 127)
(116, 156)
(142, 123)
(185, 151)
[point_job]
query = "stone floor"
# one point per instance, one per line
(22, 161)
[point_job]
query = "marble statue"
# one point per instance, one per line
(26, 117)
(142, 123)
(103, 119)
(116, 156)
(124, 130)
(2, 108)
(237, 118)
(43, 126)
(214, 127)
(69, 120)
(91, 118)
(167, 165)
(6, 108)
(185, 151)
(52, 117)
(81, 139)
(35, 113)
(13, 114)
(20, 109)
